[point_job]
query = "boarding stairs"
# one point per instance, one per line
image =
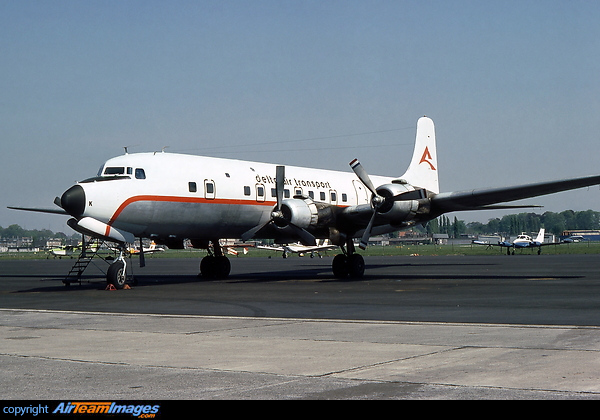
(89, 251)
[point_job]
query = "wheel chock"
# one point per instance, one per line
(112, 287)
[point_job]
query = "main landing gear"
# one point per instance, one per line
(349, 264)
(215, 265)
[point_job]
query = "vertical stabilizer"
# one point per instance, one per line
(423, 171)
(540, 236)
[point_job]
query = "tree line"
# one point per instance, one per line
(39, 236)
(514, 224)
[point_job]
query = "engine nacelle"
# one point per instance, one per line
(96, 228)
(300, 212)
(400, 210)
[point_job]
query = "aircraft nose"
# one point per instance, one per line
(73, 201)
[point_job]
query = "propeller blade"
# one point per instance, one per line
(250, 234)
(364, 241)
(142, 257)
(279, 184)
(362, 175)
(305, 237)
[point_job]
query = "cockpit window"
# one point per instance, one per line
(114, 170)
(140, 173)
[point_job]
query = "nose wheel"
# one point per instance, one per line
(117, 272)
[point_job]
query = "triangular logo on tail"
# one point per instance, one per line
(426, 157)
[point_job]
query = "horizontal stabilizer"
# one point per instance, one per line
(40, 210)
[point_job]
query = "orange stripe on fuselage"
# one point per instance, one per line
(174, 199)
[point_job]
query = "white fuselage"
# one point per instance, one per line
(175, 195)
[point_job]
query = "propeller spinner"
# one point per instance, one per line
(278, 217)
(378, 201)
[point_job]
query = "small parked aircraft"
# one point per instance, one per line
(149, 250)
(522, 241)
(301, 250)
(64, 251)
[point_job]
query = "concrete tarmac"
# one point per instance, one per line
(497, 327)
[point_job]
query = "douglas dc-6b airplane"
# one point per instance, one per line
(172, 197)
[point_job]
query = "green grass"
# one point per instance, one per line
(574, 248)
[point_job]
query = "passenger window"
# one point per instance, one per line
(322, 195)
(192, 187)
(140, 173)
(246, 190)
(210, 189)
(286, 193)
(311, 194)
(260, 192)
(344, 197)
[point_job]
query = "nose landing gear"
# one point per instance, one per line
(117, 272)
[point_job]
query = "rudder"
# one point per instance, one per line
(422, 171)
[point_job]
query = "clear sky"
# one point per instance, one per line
(512, 86)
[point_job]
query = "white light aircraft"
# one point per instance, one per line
(143, 250)
(298, 248)
(64, 251)
(523, 241)
(170, 197)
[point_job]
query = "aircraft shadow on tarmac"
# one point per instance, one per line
(299, 272)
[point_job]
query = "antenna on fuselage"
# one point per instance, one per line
(127, 148)
(162, 150)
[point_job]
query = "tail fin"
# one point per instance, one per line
(540, 236)
(422, 171)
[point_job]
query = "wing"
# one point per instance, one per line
(500, 244)
(311, 248)
(271, 248)
(485, 198)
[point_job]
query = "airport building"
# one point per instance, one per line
(581, 234)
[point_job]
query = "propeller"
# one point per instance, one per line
(377, 201)
(277, 216)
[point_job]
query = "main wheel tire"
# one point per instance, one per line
(212, 267)
(340, 266)
(356, 266)
(207, 267)
(116, 275)
(222, 267)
